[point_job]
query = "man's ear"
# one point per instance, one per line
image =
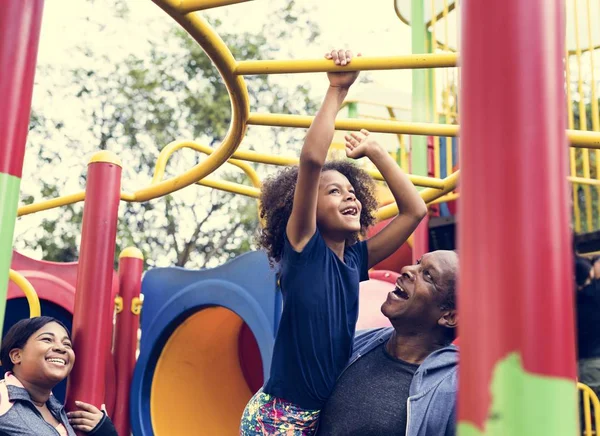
(449, 319)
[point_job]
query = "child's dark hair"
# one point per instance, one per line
(277, 198)
(18, 335)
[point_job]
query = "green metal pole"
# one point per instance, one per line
(418, 149)
(353, 110)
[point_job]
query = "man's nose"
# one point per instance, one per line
(407, 273)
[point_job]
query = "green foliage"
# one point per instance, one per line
(135, 108)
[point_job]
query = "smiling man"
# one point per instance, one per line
(403, 380)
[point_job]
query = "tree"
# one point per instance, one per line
(135, 108)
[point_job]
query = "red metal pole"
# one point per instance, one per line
(131, 266)
(517, 365)
(92, 320)
(20, 24)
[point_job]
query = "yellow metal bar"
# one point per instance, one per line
(355, 124)
(582, 120)
(428, 196)
(171, 148)
(576, 138)
(572, 151)
(594, 103)
(32, 298)
(584, 181)
(448, 197)
(51, 204)
(590, 399)
(442, 60)
(582, 139)
(436, 139)
(449, 163)
(186, 6)
(400, 142)
(234, 188)
(268, 159)
(404, 154)
(222, 58)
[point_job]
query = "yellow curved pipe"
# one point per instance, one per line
(32, 298)
(171, 148)
(221, 56)
(428, 195)
(234, 188)
(186, 6)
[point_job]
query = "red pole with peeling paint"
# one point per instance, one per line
(517, 366)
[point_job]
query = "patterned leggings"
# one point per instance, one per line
(268, 415)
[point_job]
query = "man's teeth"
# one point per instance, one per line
(399, 291)
(61, 361)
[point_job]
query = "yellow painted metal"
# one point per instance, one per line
(590, 403)
(436, 139)
(355, 124)
(106, 156)
(594, 103)
(234, 188)
(221, 56)
(268, 159)
(131, 252)
(404, 154)
(32, 298)
(186, 6)
(584, 181)
(577, 138)
(171, 148)
(582, 139)
(118, 304)
(51, 204)
(572, 151)
(401, 146)
(582, 122)
(428, 196)
(448, 197)
(442, 60)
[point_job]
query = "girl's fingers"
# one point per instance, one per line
(365, 132)
(342, 57)
(350, 139)
(335, 57)
(348, 56)
(357, 137)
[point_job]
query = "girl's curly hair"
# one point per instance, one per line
(277, 197)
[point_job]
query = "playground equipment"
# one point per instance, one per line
(197, 324)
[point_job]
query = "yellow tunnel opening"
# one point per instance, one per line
(199, 385)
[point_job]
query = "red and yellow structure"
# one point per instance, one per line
(517, 337)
